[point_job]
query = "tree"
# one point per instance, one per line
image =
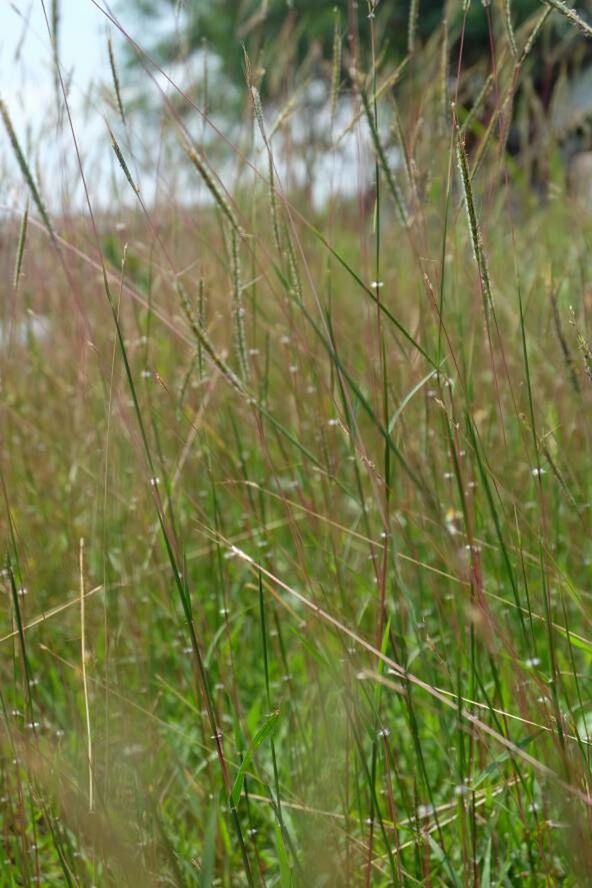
(280, 36)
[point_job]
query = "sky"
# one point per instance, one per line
(22, 24)
(27, 86)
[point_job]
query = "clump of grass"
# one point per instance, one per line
(330, 622)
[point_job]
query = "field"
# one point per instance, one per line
(295, 506)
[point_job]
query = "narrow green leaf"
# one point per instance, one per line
(268, 729)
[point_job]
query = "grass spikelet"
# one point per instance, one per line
(55, 43)
(510, 27)
(293, 267)
(584, 346)
(533, 36)
(20, 250)
(55, 18)
(238, 308)
(202, 338)
(586, 351)
(444, 62)
(474, 230)
(387, 86)
(201, 319)
(572, 16)
(211, 184)
(336, 62)
(122, 161)
(24, 167)
(198, 363)
(115, 78)
(258, 109)
(412, 25)
(504, 102)
(273, 205)
(392, 184)
(272, 190)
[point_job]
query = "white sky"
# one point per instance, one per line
(27, 87)
(82, 44)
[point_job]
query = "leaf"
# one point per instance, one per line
(442, 858)
(268, 729)
(576, 640)
(208, 856)
(486, 871)
(407, 398)
(286, 880)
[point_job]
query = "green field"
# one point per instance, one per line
(295, 512)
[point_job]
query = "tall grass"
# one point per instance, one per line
(295, 499)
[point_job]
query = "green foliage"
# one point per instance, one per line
(281, 36)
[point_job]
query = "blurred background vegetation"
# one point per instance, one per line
(289, 46)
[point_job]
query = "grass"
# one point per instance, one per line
(295, 516)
